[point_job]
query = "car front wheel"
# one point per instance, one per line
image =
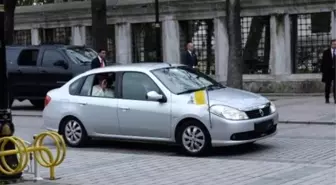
(74, 133)
(194, 139)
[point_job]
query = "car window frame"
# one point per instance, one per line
(116, 90)
(53, 50)
(121, 88)
(83, 78)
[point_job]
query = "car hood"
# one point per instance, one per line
(236, 98)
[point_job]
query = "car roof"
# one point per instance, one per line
(144, 66)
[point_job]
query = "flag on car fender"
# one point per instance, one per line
(201, 97)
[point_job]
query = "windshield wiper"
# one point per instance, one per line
(209, 87)
(191, 90)
(214, 86)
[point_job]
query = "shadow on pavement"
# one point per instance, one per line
(170, 150)
(131, 147)
(240, 150)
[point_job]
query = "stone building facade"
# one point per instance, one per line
(282, 50)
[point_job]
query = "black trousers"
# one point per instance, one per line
(328, 84)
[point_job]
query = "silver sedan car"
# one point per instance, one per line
(157, 102)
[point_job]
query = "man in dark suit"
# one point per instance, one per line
(328, 70)
(189, 57)
(100, 60)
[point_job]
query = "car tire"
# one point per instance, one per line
(194, 138)
(73, 132)
(37, 103)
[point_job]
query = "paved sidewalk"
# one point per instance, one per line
(305, 109)
(25, 108)
(298, 155)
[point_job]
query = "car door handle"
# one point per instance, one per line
(19, 71)
(124, 108)
(43, 71)
(82, 103)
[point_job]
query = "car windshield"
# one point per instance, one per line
(81, 55)
(180, 80)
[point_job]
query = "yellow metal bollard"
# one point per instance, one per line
(37, 148)
(60, 151)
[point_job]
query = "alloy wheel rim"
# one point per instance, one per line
(193, 139)
(73, 132)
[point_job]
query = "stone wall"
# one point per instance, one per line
(123, 14)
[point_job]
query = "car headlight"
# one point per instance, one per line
(272, 107)
(228, 112)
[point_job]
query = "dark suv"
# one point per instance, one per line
(34, 70)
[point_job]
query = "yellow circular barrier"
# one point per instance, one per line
(20, 150)
(60, 149)
(37, 148)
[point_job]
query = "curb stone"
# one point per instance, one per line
(307, 122)
(28, 115)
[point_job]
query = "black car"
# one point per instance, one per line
(34, 70)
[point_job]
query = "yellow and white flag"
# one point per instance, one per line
(200, 97)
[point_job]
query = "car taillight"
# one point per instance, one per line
(47, 100)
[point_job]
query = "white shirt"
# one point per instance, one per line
(333, 52)
(190, 52)
(98, 91)
(101, 61)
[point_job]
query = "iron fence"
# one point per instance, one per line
(311, 35)
(22, 37)
(56, 35)
(111, 51)
(201, 34)
(144, 42)
(88, 36)
(255, 33)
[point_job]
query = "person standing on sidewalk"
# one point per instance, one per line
(328, 70)
(189, 57)
(99, 61)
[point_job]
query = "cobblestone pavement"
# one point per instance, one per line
(298, 154)
(311, 109)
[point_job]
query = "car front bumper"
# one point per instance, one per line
(226, 133)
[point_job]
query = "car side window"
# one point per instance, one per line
(104, 85)
(87, 86)
(28, 57)
(136, 85)
(75, 87)
(51, 57)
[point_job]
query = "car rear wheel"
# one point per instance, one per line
(194, 139)
(74, 133)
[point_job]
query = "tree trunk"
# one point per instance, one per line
(235, 65)
(9, 20)
(99, 24)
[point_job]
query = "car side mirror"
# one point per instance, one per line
(154, 96)
(61, 63)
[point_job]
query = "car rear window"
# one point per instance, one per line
(76, 86)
